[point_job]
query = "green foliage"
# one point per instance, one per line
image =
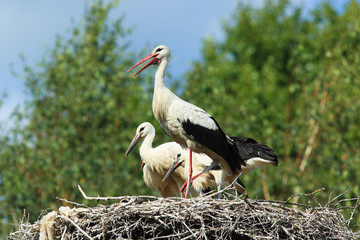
(83, 113)
(291, 82)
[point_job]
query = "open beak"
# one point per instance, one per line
(153, 60)
(175, 165)
(133, 143)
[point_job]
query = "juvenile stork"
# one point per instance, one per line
(189, 125)
(165, 166)
(157, 161)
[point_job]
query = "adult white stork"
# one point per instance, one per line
(189, 125)
(157, 161)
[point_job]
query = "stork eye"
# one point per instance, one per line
(141, 129)
(159, 49)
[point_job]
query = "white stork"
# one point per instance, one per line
(157, 161)
(165, 167)
(191, 126)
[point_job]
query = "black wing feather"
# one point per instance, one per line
(215, 140)
(250, 148)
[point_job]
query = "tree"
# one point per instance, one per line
(288, 80)
(83, 112)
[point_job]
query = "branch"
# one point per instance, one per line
(113, 198)
(77, 226)
(310, 145)
(305, 194)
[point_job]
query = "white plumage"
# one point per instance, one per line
(157, 161)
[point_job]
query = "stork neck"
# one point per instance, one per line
(146, 145)
(162, 95)
(160, 73)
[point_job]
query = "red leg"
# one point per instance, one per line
(212, 165)
(191, 181)
(190, 173)
(183, 188)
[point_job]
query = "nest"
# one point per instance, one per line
(146, 217)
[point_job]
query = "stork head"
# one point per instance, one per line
(157, 56)
(178, 161)
(142, 131)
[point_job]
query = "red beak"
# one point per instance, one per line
(152, 61)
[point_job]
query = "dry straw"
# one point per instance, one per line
(148, 217)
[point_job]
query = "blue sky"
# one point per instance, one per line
(30, 27)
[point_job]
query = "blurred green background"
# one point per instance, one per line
(289, 80)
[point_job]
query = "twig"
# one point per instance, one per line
(112, 198)
(353, 211)
(305, 194)
(270, 202)
(341, 194)
(63, 234)
(73, 223)
(73, 203)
